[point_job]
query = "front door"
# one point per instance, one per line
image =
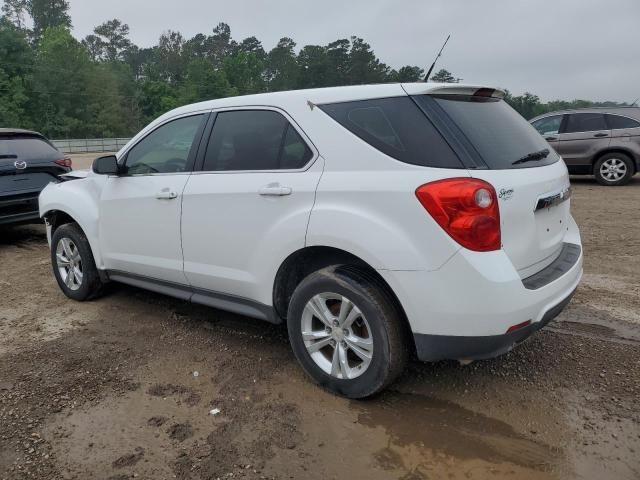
(249, 206)
(549, 128)
(140, 209)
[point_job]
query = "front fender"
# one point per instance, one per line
(79, 200)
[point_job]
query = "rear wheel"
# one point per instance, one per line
(613, 169)
(346, 332)
(73, 264)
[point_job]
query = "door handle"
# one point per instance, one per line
(599, 135)
(275, 189)
(550, 139)
(166, 194)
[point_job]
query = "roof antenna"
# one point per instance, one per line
(426, 77)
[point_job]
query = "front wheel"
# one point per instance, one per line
(613, 169)
(346, 332)
(73, 264)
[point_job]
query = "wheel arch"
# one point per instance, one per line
(307, 260)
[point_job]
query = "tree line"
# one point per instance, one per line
(106, 86)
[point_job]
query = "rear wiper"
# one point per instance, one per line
(533, 156)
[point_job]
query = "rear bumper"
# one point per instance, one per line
(431, 348)
(464, 310)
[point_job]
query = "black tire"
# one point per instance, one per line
(616, 158)
(90, 285)
(388, 332)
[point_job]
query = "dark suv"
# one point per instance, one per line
(28, 162)
(604, 142)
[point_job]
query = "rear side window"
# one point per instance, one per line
(499, 134)
(616, 122)
(255, 140)
(396, 127)
(585, 122)
(27, 148)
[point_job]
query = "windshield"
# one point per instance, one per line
(497, 132)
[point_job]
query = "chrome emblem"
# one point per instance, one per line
(20, 165)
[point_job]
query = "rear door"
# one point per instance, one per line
(501, 141)
(584, 135)
(248, 207)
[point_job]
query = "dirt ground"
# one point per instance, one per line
(126, 386)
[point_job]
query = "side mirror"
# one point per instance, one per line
(107, 165)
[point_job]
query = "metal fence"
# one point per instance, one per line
(89, 145)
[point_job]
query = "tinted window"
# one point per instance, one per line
(585, 122)
(617, 122)
(254, 140)
(27, 148)
(549, 125)
(166, 149)
(397, 127)
(498, 133)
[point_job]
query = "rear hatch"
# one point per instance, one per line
(498, 146)
(27, 163)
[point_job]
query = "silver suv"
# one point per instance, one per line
(604, 142)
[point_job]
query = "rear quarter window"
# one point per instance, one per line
(617, 122)
(397, 127)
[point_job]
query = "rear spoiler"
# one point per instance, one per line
(452, 89)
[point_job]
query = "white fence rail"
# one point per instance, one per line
(89, 145)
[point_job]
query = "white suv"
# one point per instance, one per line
(376, 221)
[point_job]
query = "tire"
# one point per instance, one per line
(613, 169)
(85, 283)
(377, 327)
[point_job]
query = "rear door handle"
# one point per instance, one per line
(166, 194)
(275, 189)
(599, 135)
(550, 139)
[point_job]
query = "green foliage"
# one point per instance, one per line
(107, 86)
(443, 76)
(48, 13)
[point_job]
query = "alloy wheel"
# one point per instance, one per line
(613, 169)
(337, 336)
(69, 263)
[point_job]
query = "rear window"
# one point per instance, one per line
(396, 127)
(498, 133)
(27, 148)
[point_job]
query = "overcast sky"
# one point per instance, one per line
(556, 49)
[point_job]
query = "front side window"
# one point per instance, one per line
(549, 125)
(254, 140)
(616, 122)
(585, 122)
(166, 149)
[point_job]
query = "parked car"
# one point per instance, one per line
(376, 221)
(28, 162)
(604, 142)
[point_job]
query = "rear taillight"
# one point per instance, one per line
(467, 209)
(64, 162)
